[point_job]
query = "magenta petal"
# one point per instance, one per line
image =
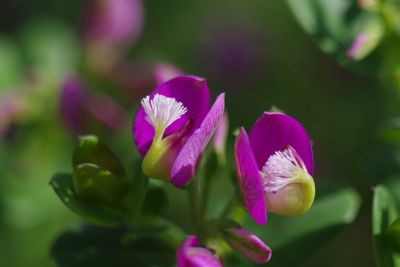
(275, 131)
(181, 254)
(184, 167)
(190, 255)
(249, 178)
(191, 91)
(202, 257)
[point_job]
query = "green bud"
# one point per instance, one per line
(96, 184)
(91, 150)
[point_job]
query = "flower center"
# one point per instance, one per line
(282, 168)
(162, 111)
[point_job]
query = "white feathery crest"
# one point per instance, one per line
(280, 169)
(162, 111)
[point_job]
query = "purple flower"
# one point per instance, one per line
(247, 244)
(274, 166)
(81, 110)
(189, 254)
(173, 126)
(114, 22)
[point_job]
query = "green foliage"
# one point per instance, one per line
(156, 200)
(334, 24)
(63, 186)
(139, 190)
(93, 246)
(307, 233)
(10, 64)
(393, 235)
(51, 46)
(384, 214)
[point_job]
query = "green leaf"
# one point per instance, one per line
(334, 24)
(393, 235)
(307, 233)
(384, 213)
(93, 246)
(62, 185)
(159, 228)
(391, 131)
(91, 150)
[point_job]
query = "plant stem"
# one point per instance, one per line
(194, 197)
(230, 205)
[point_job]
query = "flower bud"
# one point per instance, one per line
(190, 254)
(366, 41)
(219, 139)
(100, 186)
(244, 242)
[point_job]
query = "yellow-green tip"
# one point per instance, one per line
(295, 198)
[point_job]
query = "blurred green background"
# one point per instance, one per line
(253, 50)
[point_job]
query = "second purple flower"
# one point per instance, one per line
(274, 167)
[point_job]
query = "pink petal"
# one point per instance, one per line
(184, 167)
(249, 178)
(189, 254)
(274, 132)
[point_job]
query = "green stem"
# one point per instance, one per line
(195, 210)
(230, 205)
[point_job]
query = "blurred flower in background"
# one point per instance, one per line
(12, 110)
(110, 28)
(232, 51)
(84, 111)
